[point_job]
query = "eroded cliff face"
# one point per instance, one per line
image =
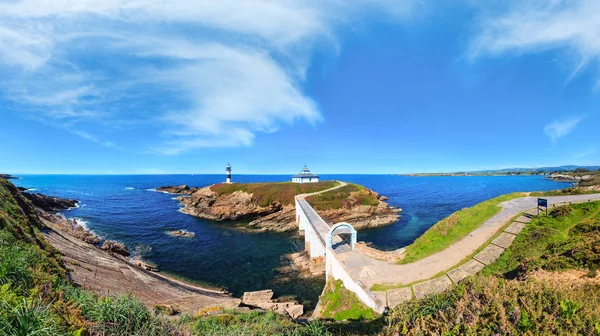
(276, 217)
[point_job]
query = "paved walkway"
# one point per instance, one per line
(371, 271)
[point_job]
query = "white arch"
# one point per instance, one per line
(337, 226)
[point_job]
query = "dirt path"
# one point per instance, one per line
(303, 196)
(105, 274)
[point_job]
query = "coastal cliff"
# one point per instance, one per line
(270, 206)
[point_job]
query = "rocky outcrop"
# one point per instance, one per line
(570, 178)
(50, 203)
(275, 217)
(181, 233)
(239, 205)
(362, 216)
(71, 227)
(182, 189)
(115, 247)
(8, 177)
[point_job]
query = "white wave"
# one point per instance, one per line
(160, 191)
(129, 188)
(30, 189)
(84, 225)
(75, 207)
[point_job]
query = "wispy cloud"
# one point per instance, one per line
(585, 154)
(95, 139)
(206, 73)
(558, 129)
(540, 25)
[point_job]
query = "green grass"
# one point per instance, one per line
(504, 300)
(267, 193)
(254, 323)
(564, 192)
(341, 304)
(453, 228)
(567, 239)
(488, 305)
(344, 197)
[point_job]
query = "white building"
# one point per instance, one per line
(305, 176)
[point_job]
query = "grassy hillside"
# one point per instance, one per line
(453, 228)
(266, 193)
(545, 283)
(344, 197)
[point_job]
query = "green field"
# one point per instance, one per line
(267, 193)
(344, 197)
(453, 228)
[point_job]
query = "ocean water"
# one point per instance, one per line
(126, 209)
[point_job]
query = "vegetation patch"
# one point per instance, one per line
(567, 239)
(504, 300)
(255, 323)
(453, 228)
(345, 197)
(267, 193)
(341, 304)
(488, 305)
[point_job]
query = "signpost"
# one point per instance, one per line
(542, 202)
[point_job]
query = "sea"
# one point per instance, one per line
(127, 208)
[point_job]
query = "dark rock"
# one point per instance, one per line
(22, 189)
(8, 177)
(182, 189)
(50, 203)
(115, 247)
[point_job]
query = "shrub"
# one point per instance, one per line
(27, 318)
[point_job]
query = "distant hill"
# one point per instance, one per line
(512, 171)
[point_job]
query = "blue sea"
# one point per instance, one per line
(126, 209)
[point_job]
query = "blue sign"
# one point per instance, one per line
(542, 202)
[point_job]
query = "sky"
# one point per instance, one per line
(343, 86)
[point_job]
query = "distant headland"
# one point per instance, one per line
(515, 171)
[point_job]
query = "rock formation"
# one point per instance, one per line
(275, 216)
(8, 177)
(71, 227)
(50, 203)
(182, 189)
(181, 233)
(115, 247)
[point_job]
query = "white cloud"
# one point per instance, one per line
(227, 69)
(95, 139)
(533, 26)
(587, 153)
(558, 129)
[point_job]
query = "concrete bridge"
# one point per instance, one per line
(359, 272)
(327, 242)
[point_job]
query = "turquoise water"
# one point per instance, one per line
(123, 208)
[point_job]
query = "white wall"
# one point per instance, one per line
(337, 271)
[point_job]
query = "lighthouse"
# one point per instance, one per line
(228, 173)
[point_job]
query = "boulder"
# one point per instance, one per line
(115, 247)
(295, 311)
(258, 298)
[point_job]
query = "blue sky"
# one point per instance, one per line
(362, 86)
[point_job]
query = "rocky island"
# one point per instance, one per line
(270, 206)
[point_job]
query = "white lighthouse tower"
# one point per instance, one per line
(228, 173)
